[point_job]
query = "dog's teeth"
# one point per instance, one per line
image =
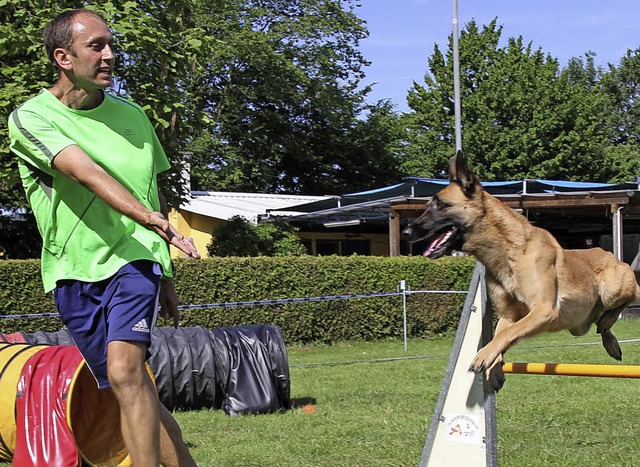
(437, 242)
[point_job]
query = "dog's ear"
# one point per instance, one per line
(459, 172)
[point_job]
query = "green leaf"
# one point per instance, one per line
(195, 43)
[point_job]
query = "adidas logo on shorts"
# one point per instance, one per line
(141, 326)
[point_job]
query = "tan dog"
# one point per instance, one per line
(534, 284)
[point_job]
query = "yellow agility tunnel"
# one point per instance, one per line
(51, 408)
(12, 359)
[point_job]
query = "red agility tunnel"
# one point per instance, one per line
(14, 338)
(51, 410)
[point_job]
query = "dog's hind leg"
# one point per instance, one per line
(604, 325)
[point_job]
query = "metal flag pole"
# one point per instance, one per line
(456, 79)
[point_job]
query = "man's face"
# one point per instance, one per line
(90, 55)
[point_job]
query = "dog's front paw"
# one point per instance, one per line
(491, 362)
(495, 377)
(485, 359)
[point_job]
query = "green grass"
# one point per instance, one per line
(365, 413)
(378, 413)
(570, 421)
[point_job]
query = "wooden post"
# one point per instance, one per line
(616, 215)
(394, 233)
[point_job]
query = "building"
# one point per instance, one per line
(578, 214)
(198, 216)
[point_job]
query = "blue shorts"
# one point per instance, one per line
(121, 308)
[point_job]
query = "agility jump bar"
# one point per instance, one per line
(573, 369)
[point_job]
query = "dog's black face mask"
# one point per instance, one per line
(442, 231)
(446, 219)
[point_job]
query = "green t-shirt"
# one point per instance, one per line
(83, 237)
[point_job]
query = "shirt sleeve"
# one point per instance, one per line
(161, 160)
(35, 140)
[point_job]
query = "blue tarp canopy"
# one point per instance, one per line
(375, 204)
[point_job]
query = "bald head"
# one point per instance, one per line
(59, 32)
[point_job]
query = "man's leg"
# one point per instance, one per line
(138, 401)
(173, 451)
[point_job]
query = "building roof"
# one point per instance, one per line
(225, 205)
(374, 205)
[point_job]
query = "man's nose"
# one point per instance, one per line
(107, 53)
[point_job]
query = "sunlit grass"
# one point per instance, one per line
(378, 413)
(371, 403)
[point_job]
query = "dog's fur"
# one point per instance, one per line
(534, 284)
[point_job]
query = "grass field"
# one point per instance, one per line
(371, 403)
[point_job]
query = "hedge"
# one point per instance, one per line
(217, 280)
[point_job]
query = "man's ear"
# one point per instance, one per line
(459, 172)
(61, 56)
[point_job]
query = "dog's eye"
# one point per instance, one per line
(438, 204)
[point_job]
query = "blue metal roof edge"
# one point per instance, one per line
(413, 185)
(376, 190)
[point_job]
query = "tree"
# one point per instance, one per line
(23, 73)
(621, 87)
(265, 93)
(522, 116)
(239, 237)
(156, 46)
(285, 99)
(278, 238)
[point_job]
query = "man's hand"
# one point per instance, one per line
(77, 165)
(159, 224)
(169, 301)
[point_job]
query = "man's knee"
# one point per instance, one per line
(125, 364)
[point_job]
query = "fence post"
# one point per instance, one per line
(403, 289)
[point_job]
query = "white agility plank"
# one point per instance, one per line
(462, 431)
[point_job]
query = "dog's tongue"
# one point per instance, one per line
(437, 242)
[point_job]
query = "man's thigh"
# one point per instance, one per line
(121, 308)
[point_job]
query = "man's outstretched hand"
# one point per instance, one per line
(159, 224)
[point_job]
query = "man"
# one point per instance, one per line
(88, 162)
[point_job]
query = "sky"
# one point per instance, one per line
(402, 33)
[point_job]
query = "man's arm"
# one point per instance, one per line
(168, 296)
(77, 165)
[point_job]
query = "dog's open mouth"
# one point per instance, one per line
(446, 240)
